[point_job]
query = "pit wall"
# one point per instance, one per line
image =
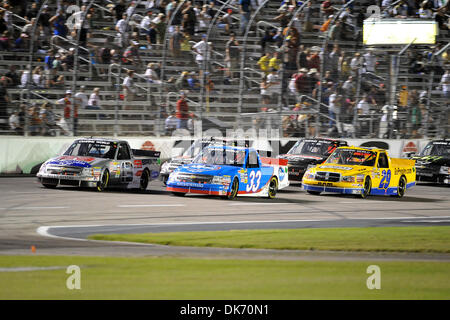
(25, 154)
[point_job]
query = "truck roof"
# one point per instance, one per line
(101, 139)
(364, 148)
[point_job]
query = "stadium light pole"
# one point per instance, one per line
(30, 62)
(324, 51)
(207, 54)
(164, 61)
(291, 22)
(243, 57)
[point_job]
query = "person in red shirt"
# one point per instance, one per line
(68, 101)
(182, 113)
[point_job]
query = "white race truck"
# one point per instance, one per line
(101, 164)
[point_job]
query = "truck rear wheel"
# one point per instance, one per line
(273, 188)
(401, 188)
(143, 184)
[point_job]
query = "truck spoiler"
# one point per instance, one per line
(146, 153)
(274, 161)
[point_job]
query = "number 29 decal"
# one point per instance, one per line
(255, 179)
(385, 179)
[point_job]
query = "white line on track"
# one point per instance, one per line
(260, 204)
(149, 205)
(33, 208)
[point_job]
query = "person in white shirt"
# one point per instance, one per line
(145, 22)
(14, 122)
(81, 98)
(363, 106)
(128, 88)
(94, 100)
(202, 50)
(445, 84)
(151, 75)
(170, 124)
(370, 61)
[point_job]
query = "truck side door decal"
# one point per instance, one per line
(385, 179)
(254, 181)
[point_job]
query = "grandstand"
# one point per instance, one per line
(396, 91)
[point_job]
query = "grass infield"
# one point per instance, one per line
(182, 278)
(380, 239)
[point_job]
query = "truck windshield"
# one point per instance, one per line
(220, 156)
(312, 147)
(437, 149)
(353, 157)
(195, 148)
(105, 150)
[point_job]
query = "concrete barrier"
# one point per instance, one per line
(24, 154)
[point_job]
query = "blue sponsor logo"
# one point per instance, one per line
(281, 173)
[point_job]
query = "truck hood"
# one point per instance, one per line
(75, 161)
(206, 169)
(431, 161)
(342, 169)
(181, 160)
(298, 159)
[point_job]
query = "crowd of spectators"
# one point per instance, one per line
(290, 70)
(351, 92)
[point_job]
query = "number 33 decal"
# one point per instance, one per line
(255, 179)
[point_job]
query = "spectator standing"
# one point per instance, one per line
(4, 100)
(245, 11)
(170, 124)
(263, 63)
(232, 55)
(129, 90)
(81, 98)
(175, 42)
(445, 84)
(14, 123)
(47, 119)
(182, 113)
(59, 24)
(370, 61)
(70, 111)
(202, 51)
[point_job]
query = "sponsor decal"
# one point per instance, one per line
(398, 171)
(138, 164)
(336, 167)
(410, 147)
(148, 145)
(154, 174)
(281, 173)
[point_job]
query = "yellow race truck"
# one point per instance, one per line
(362, 172)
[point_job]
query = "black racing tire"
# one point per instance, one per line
(49, 185)
(104, 181)
(401, 188)
(367, 188)
(179, 194)
(143, 183)
(234, 190)
(273, 188)
(314, 193)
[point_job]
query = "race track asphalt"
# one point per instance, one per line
(57, 221)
